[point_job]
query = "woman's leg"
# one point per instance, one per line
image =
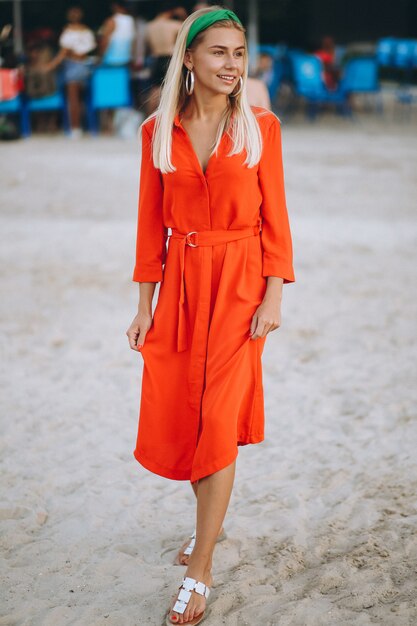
(213, 496)
(183, 558)
(74, 105)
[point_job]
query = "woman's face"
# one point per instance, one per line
(74, 15)
(218, 60)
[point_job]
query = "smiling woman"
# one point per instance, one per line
(212, 173)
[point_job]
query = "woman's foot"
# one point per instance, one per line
(181, 558)
(197, 602)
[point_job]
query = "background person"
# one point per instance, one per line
(161, 34)
(76, 42)
(327, 54)
(257, 92)
(117, 36)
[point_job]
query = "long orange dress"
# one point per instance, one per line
(202, 392)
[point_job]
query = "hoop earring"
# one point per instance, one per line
(233, 95)
(189, 88)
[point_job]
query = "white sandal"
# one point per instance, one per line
(183, 597)
(188, 550)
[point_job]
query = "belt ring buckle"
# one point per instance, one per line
(192, 232)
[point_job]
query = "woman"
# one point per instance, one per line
(211, 172)
(76, 42)
(117, 36)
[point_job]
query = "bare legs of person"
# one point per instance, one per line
(74, 106)
(213, 496)
(182, 559)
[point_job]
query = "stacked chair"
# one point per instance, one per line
(360, 76)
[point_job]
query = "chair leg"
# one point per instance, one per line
(92, 120)
(311, 110)
(65, 119)
(346, 109)
(379, 104)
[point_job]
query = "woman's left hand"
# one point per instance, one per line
(266, 319)
(268, 314)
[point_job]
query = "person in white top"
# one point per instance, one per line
(117, 36)
(76, 42)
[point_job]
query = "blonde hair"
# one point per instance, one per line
(243, 128)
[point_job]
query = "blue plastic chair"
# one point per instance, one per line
(109, 89)
(414, 53)
(361, 76)
(403, 53)
(308, 80)
(276, 79)
(17, 106)
(54, 102)
(385, 51)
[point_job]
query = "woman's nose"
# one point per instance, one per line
(230, 62)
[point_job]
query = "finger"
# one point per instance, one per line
(132, 337)
(253, 324)
(141, 340)
(257, 330)
(260, 330)
(269, 327)
(132, 343)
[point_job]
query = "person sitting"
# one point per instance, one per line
(331, 73)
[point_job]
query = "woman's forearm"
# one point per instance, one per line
(146, 291)
(57, 60)
(274, 288)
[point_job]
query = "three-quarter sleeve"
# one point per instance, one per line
(275, 235)
(151, 234)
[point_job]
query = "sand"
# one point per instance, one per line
(322, 521)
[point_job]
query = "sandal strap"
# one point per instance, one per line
(187, 586)
(191, 545)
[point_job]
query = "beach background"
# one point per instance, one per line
(322, 521)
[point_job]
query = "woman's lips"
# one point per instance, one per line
(226, 78)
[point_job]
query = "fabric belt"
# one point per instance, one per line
(202, 238)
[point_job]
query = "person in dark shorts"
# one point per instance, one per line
(161, 34)
(158, 69)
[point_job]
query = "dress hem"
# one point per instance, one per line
(193, 476)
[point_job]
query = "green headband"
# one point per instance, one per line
(209, 18)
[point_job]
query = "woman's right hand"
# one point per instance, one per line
(136, 332)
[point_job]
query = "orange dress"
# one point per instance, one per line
(202, 392)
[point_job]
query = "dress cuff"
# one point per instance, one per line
(282, 270)
(150, 275)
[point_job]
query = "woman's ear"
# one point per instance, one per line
(187, 60)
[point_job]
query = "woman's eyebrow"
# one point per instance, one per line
(225, 47)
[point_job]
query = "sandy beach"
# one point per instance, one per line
(323, 517)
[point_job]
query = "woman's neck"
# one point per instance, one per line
(205, 109)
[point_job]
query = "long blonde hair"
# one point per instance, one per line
(244, 130)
